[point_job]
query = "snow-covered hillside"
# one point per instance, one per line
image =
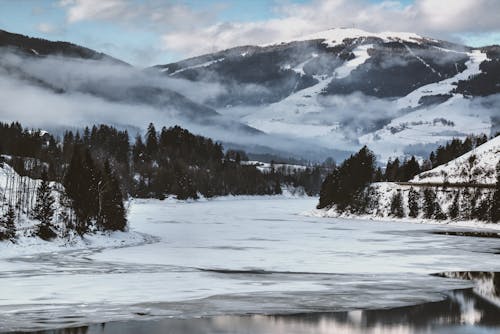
(477, 166)
(19, 192)
(343, 88)
(461, 190)
(424, 128)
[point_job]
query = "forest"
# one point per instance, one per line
(80, 183)
(350, 187)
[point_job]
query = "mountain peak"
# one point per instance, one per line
(336, 36)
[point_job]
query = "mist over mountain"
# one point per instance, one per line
(321, 95)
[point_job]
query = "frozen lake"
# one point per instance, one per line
(240, 256)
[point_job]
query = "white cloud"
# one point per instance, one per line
(47, 28)
(189, 30)
(435, 18)
(80, 10)
(159, 14)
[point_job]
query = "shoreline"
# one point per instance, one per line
(469, 224)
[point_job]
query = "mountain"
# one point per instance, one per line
(66, 68)
(320, 95)
(399, 93)
(42, 47)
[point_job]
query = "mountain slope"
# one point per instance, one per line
(63, 69)
(400, 93)
(477, 166)
(42, 47)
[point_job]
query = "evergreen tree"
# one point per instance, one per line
(466, 204)
(413, 203)
(495, 203)
(409, 169)
(429, 206)
(277, 188)
(8, 225)
(346, 183)
(81, 183)
(483, 208)
(397, 205)
(111, 215)
(44, 210)
(454, 209)
(392, 171)
(151, 141)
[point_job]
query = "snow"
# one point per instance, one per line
(385, 191)
(334, 37)
(302, 114)
(435, 124)
(233, 255)
(294, 114)
(480, 169)
(361, 56)
(456, 118)
(11, 187)
(461, 170)
(206, 64)
(266, 167)
(446, 86)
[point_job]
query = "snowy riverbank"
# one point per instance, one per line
(469, 224)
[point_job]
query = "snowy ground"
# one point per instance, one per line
(233, 255)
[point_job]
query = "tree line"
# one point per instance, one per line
(349, 188)
(101, 167)
(397, 171)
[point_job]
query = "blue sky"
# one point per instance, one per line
(159, 31)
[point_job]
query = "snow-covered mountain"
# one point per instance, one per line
(399, 93)
(313, 96)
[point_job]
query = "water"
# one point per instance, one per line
(214, 261)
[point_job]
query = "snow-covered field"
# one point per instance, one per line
(233, 255)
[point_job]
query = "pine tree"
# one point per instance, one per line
(495, 203)
(429, 206)
(111, 214)
(413, 203)
(345, 184)
(8, 225)
(454, 209)
(44, 210)
(277, 188)
(466, 204)
(397, 205)
(151, 141)
(81, 183)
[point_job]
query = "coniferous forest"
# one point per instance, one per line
(102, 166)
(349, 188)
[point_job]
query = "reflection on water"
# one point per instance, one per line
(463, 311)
(486, 284)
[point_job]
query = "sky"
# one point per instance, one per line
(151, 32)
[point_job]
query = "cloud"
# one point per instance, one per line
(157, 14)
(80, 10)
(56, 93)
(47, 28)
(435, 18)
(188, 29)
